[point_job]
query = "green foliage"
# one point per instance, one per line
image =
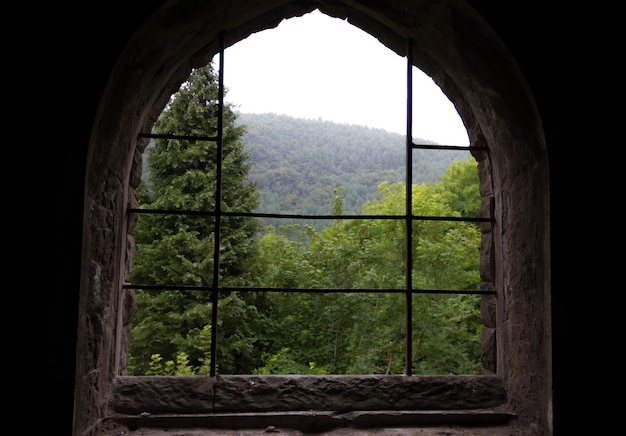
(281, 363)
(180, 367)
(177, 249)
(352, 333)
(459, 187)
(287, 331)
(297, 163)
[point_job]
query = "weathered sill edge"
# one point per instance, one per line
(288, 393)
(320, 421)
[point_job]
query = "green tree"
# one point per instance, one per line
(459, 187)
(356, 333)
(178, 248)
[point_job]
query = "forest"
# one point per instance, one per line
(294, 297)
(297, 163)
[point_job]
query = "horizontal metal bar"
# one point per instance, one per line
(181, 137)
(306, 290)
(312, 217)
(168, 287)
(214, 138)
(447, 147)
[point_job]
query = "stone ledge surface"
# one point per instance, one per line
(318, 421)
(254, 394)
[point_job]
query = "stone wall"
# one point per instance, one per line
(465, 58)
(338, 393)
(309, 403)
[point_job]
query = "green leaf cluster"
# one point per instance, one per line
(297, 163)
(288, 331)
(355, 333)
(178, 249)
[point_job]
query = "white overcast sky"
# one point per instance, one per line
(316, 66)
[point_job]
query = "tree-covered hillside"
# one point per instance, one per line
(297, 163)
(221, 295)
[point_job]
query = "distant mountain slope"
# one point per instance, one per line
(297, 163)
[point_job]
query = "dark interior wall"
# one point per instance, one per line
(83, 47)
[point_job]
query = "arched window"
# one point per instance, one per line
(424, 319)
(512, 232)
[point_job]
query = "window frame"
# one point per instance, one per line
(408, 217)
(463, 54)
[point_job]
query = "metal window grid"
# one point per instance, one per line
(408, 218)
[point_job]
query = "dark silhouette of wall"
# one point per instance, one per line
(81, 48)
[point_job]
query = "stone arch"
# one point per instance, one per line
(466, 59)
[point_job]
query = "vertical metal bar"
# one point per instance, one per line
(409, 213)
(218, 210)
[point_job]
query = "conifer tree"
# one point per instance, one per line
(177, 249)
